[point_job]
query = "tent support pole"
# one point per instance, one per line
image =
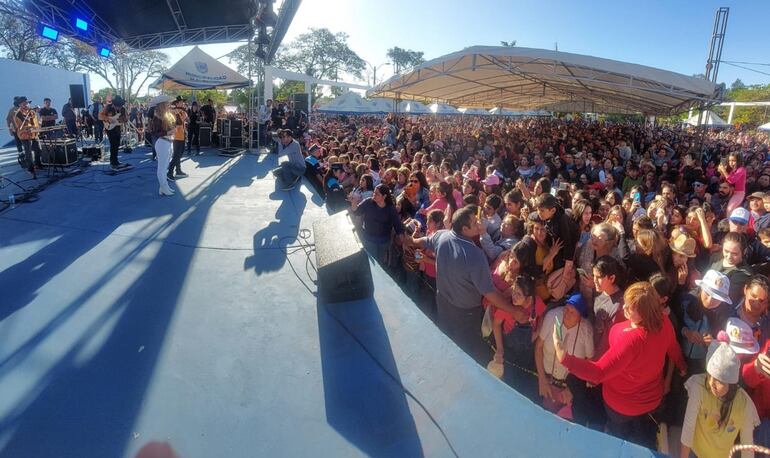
(250, 121)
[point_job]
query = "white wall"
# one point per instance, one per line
(35, 82)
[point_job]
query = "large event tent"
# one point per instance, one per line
(539, 79)
(708, 118)
(764, 126)
(347, 103)
(476, 112)
(382, 105)
(198, 70)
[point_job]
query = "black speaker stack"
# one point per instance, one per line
(78, 96)
(343, 265)
(301, 102)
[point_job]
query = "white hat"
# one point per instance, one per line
(723, 364)
(740, 337)
(716, 285)
(158, 100)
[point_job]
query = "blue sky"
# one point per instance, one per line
(672, 35)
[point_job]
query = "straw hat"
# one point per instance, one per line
(683, 245)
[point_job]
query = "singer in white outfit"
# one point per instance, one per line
(162, 130)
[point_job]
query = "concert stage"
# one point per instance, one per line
(127, 318)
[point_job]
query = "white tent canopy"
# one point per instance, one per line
(443, 109)
(764, 126)
(198, 70)
(412, 107)
(538, 79)
(382, 105)
(505, 112)
(709, 118)
(347, 103)
(475, 111)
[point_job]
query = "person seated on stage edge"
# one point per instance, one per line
(291, 171)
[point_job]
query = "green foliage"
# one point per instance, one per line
(737, 84)
(509, 44)
(404, 59)
(752, 116)
(287, 88)
(320, 54)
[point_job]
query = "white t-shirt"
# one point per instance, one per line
(578, 342)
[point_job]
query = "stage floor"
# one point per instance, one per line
(126, 318)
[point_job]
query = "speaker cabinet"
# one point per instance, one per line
(78, 96)
(343, 265)
(204, 136)
(301, 102)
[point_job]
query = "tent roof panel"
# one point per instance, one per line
(531, 79)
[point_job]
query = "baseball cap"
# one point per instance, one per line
(577, 301)
(740, 337)
(740, 216)
(757, 195)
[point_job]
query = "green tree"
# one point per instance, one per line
(284, 90)
(508, 44)
(320, 54)
(752, 116)
(404, 59)
(737, 84)
(126, 71)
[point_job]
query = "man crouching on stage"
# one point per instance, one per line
(290, 172)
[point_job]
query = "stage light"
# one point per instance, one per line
(81, 24)
(104, 51)
(50, 33)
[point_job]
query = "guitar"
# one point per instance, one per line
(114, 121)
(26, 125)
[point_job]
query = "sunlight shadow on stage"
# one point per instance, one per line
(76, 385)
(278, 234)
(365, 402)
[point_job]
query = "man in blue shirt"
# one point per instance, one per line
(463, 278)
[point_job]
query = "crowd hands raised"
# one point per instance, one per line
(614, 273)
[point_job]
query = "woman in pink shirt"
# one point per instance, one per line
(735, 174)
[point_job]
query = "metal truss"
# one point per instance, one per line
(45, 12)
(191, 37)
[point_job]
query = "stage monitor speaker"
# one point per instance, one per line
(59, 152)
(233, 142)
(204, 136)
(223, 127)
(343, 265)
(301, 102)
(78, 96)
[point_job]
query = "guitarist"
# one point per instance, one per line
(26, 125)
(113, 116)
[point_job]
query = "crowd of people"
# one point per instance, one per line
(613, 273)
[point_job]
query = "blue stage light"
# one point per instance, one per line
(50, 33)
(104, 52)
(81, 24)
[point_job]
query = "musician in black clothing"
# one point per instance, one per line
(113, 116)
(193, 128)
(48, 114)
(209, 112)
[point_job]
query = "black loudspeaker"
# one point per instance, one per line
(204, 136)
(78, 96)
(236, 128)
(301, 102)
(61, 152)
(343, 265)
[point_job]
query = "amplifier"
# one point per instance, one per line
(232, 142)
(59, 152)
(204, 136)
(93, 152)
